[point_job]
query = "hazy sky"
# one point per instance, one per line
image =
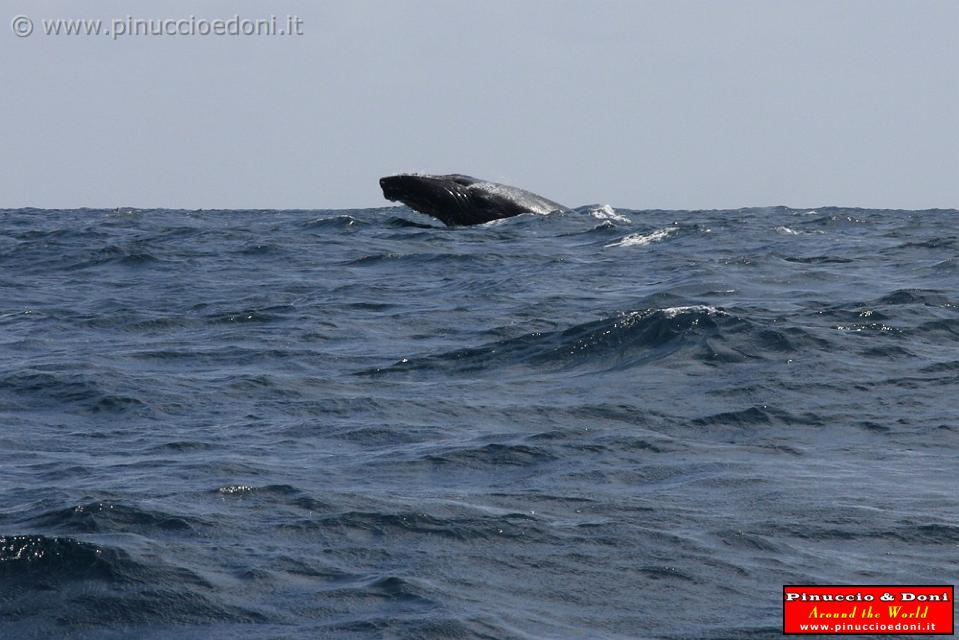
(637, 104)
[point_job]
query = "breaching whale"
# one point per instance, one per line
(463, 200)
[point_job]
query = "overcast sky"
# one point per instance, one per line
(658, 104)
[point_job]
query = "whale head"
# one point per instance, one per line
(454, 199)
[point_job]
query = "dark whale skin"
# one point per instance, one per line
(460, 200)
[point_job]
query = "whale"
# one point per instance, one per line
(460, 200)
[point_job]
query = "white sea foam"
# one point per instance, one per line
(787, 231)
(606, 212)
(672, 312)
(642, 239)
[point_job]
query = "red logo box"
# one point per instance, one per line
(875, 609)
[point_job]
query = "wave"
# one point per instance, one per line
(427, 258)
(789, 231)
(113, 254)
(404, 223)
(818, 260)
(85, 392)
(112, 517)
(702, 333)
(643, 239)
(927, 297)
(923, 314)
(411, 524)
(32, 557)
(759, 415)
(337, 222)
(492, 455)
(55, 583)
(260, 249)
(606, 212)
(278, 494)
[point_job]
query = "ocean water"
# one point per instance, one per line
(359, 424)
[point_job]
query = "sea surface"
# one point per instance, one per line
(360, 424)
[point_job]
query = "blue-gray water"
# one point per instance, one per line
(356, 424)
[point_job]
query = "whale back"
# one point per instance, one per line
(526, 200)
(458, 199)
